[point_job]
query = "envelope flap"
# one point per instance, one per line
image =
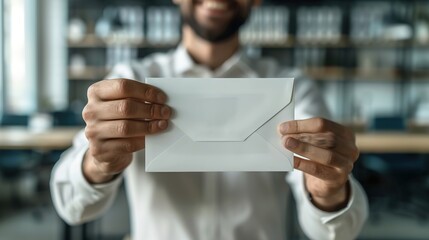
(224, 109)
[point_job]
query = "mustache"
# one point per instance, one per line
(231, 3)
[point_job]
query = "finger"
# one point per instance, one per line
(323, 140)
(114, 89)
(124, 129)
(319, 155)
(315, 169)
(313, 125)
(347, 149)
(328, 140)
(127, 109)
(104, 148)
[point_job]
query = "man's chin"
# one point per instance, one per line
(214, 34)
(215, 37)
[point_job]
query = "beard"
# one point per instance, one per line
(216, 35)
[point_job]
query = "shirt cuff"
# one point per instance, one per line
(79, 182)
(297, 178)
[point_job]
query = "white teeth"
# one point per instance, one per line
(215, 5)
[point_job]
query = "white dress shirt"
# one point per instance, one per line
(206, 206)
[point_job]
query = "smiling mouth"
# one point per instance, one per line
(215, 5)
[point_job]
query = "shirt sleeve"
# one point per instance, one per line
(317, 224)
(76, 200)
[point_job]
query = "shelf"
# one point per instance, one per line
(380, 44)
(325, 73)
(285, 43)
(339, 43)
(92, 41)
(381, 74)
(315, 73)
(89, 73)
(340, 73)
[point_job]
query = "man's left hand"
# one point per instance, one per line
(332, 152)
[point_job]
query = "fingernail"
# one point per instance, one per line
(161, 97)
(283, 128)
(162, 124)
(292, 143)
(165, 111)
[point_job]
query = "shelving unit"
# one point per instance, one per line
(341, 61)
(318, 73)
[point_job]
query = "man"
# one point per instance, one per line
(330, 203)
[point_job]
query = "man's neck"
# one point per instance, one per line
(212, 55)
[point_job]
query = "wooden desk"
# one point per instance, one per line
(23, 138)
(61, 138)
(52, 139)
(394, 142)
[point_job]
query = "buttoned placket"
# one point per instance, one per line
(210, 179)
(212, 187)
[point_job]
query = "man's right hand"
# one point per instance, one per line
(118, 116)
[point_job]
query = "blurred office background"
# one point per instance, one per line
(370, 59)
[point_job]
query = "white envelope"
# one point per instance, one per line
(222, 124)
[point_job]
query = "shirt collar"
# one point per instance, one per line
(182, 62)
(237, 63)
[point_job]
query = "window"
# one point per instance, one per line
(1, 58)
(34, 77)
(19, 48)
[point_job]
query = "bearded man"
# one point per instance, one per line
(219, 205)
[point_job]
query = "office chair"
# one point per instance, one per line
(66, 118)
(61, 118)
(16, 164)
(395, 183)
